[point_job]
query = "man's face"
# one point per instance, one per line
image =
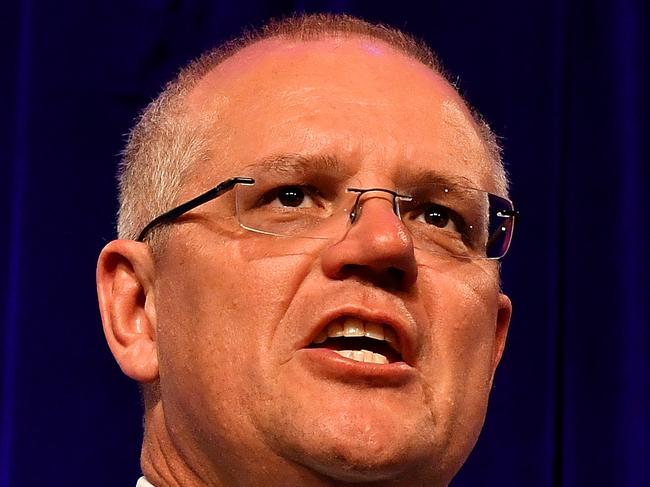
(237, 311)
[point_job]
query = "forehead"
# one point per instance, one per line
(378, 111)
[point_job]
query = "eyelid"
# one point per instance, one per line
(310, 191)
(421, 206)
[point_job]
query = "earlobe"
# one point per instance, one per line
(125, 272)
(504, 314)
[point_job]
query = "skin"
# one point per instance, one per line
(216, 322)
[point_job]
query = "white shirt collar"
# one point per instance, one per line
(142, 482)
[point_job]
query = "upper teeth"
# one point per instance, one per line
(354, 327)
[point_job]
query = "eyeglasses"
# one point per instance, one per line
(442, 218)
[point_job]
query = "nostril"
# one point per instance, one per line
(395, 274)
(385, 277)
(349, 270)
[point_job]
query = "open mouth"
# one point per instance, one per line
(362, 341)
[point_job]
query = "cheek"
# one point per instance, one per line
(217, 318)
(226, 300)
(461, 307)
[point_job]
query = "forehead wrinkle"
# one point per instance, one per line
(421, 177)
(302, 164)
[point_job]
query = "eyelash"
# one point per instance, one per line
(309, 191)
(458, 221)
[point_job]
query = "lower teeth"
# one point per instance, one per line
(363, 356)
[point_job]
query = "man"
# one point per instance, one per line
(321, 306)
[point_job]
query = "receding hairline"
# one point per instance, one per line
(206, 65)
(311, 28)
(266, 47)
(274, 52)
(317, 27)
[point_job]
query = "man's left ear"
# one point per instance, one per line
(504, 314)
(125, 288)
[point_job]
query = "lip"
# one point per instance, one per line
(329, 364)
(403, 329)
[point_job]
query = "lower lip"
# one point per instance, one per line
(330, 364)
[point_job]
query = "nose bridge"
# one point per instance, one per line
(376, 245)
(365, 197)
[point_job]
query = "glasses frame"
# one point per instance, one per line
(211, 194)
(356, 208)
(229, 184)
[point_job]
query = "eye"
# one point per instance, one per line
(441, 217)
(291, 197)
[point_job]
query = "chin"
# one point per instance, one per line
(378, 435)
(395, 468)
(352, 473)
(347, 464)
(365, 454)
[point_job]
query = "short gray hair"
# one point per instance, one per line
(164, 143)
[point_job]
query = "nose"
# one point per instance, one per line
(377, 247)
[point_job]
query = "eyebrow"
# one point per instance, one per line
(327, 165)
(422, 177)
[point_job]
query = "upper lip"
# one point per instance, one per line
(404, 328)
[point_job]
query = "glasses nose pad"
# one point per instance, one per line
(355, 211)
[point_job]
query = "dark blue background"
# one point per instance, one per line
(564, 83)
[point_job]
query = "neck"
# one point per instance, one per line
(163, 464)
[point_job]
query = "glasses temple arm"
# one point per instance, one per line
(179, 210)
